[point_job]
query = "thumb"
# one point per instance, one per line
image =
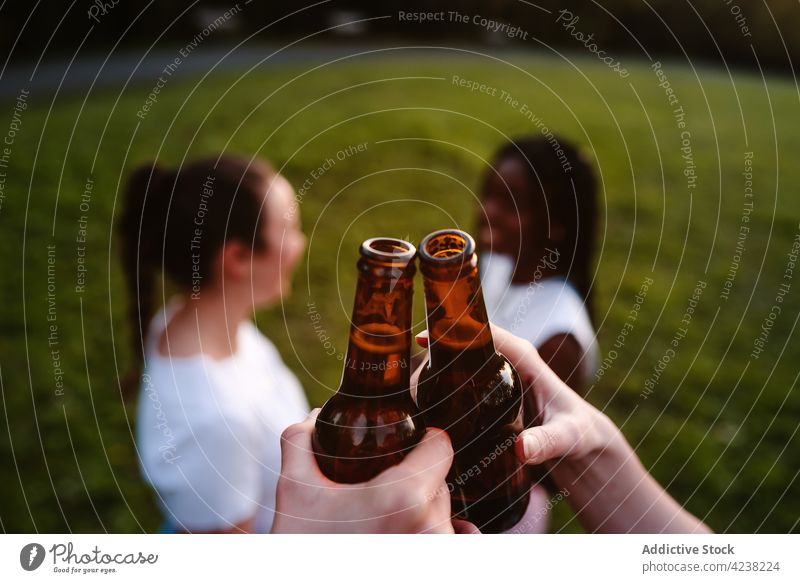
(464, 527)
(540, 444)
(297, 456)
(431, 459)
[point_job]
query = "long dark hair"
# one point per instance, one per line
(176, 220)
(567, 180)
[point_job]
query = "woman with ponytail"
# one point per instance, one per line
(214, 394)
(537, 233)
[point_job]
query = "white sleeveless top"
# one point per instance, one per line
(208, 431)
(537, 311)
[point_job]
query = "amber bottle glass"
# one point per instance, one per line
(372, 422)
(470, 390)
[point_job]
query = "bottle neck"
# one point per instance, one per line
(379, 352)
(458, 326)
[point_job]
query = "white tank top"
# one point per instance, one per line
(208, 431)
(537, 311)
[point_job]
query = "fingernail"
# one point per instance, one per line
(528, 446)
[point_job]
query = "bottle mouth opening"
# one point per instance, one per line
(388, 249)
(448, 246)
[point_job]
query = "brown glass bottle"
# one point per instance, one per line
(470, 390)
(372, 422)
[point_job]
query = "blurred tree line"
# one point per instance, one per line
(742, 32)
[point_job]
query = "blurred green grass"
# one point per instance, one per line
(719, 429)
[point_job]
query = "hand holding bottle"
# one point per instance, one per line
(409, 497)
(586, 454)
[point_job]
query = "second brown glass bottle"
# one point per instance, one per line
(470, 390)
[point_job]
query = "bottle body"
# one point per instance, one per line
(372, 422)
(356, 439)
(470, 390)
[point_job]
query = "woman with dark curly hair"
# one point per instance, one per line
(537, 235)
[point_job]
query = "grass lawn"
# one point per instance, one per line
(715, 425)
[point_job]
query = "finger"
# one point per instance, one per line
(464, 527)
(533, 371)
(514, 348)
(422, 339)
(430, 460)
(415, 379)
(420, 362)
(540, 444)
(297, 456)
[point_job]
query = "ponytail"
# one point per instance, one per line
(145, 209)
